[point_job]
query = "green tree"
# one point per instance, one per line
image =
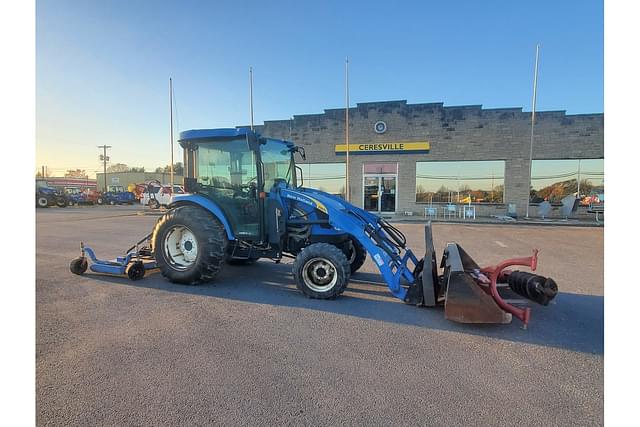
(118, 167)
(77, 173)
(178, 169)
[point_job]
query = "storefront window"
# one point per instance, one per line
(328, 177)
(460, 182)
(551, 180)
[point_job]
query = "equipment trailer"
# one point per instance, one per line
(243, 203)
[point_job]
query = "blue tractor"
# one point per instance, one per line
(116, 195)
(245, 201)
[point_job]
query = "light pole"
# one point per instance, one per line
(346, 128)
(533, 120)
(171, 130)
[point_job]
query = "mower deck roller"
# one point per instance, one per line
(469, 292)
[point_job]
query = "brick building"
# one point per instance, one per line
(405, 157)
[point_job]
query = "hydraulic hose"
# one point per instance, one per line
(399, 239)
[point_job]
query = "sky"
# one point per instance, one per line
(103, 68)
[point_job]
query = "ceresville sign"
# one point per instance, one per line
(385, 148)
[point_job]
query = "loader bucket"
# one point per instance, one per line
(465, 300)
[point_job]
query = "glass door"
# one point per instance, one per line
(380, 193)
(371, 193)
(387, 194)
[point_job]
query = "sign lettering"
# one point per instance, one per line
(384, 147)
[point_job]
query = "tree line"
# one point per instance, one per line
(178, 169)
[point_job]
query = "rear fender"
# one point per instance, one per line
(207, 204)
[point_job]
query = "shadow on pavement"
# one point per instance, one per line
(573, 321)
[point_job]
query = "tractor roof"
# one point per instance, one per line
(223, 133)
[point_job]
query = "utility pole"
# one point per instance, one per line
(346, 128)
(171, 130)
(104, 159)
(533, 121)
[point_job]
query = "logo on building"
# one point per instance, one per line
(380, 127)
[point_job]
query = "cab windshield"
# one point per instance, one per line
(278, 162)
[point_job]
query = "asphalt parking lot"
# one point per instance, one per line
(250, 349)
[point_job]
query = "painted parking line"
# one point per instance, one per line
(499, 243)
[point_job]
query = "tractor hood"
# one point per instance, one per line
(325, 202)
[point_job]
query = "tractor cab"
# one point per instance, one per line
(236, 168)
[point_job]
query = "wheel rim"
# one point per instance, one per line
(352, 254)
(180, 247)
(320, 274)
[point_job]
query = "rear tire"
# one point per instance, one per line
(154, 204)
(42, 202)
(100, 201)
(189, 245)
(321, 271)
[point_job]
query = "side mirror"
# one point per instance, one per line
(300, 150)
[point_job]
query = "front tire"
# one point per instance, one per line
(321, 271)
(79, 266)
(189, 245)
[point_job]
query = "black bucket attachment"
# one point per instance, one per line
(465, 300)
(469, 292)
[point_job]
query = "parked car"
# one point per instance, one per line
(48, 196)
(115, 195)
(157, 195)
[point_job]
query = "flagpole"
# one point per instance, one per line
(346, 129)
(171, 128)
(533, 120)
